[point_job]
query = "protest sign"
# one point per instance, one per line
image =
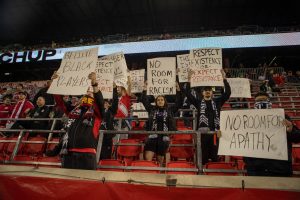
(120, 68)
(73, 72)
(139, 106)
(240, 87)
(137, 80)
(206, 63)
(105, 75)
(183, 64)
(161, 76)
(255, 133)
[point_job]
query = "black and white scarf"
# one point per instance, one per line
(154, 123)
(203, 120)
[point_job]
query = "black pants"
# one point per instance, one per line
(106, 149)
(78, 160)
(209, 150)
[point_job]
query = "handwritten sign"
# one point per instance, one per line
(161, 76)
(255, 133)
(137, 80)
(73, 72)
(105, 75)
(183, 64)
(240, 87)
(120, 68)
(206, 63)
(139, 106)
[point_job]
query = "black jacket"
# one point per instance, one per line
(83, 125)
(218, 101)
(108, 115)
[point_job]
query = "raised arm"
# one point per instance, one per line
(179, 99)
(114, 106)
(226, 94)
(145, 99)
(99, 102)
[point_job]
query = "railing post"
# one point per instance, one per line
(199, 152)
(194, 120)
(52, 128)
(15, 151)
(99, 147)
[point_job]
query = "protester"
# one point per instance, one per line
(208, 116)
(110, 110)
(78, 146)
(49, 99)
(271, 167)
(160, 119)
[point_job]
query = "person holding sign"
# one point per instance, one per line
(271, 167)
(208, 116)
(124, 104)
(78, 146)
(160, 119)
(110, 110)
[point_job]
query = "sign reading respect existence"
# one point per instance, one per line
(183, 64)
(161, 76)
(240, 87)
(120, 68)
(137, 80)
(105, 77)
(255, 133)
(206, 63)
(73, 72)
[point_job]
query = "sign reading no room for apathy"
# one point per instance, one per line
(255, 133)
(161, 76)
(206, 64)
(73, 72)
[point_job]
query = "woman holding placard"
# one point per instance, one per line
(160, 119)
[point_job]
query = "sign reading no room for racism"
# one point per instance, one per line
(207, 65)
(73, 72)
(161, 76)
(255, 133)
(105, 77)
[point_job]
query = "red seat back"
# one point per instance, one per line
(181, 164)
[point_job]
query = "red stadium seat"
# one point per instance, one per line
(185, 152)
(129, 153)
(296, 154)
(35, 148)
(144, 163)
(296, 169)
(47, 161)
(50, 146)
(220, 165)
(181, 164)
(111, 163)
(187, 137)
(11, 146)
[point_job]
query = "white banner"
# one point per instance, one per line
(255, 133)
(73, 72)
(240, 87)
(161, 76)
(183, 64)
(105, 75)
(137, 80)
(120, 68)
(139, 106)
(206, 63)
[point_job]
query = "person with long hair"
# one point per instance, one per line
(161, 118)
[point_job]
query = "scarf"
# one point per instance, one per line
(203, 119)
(154, 123)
